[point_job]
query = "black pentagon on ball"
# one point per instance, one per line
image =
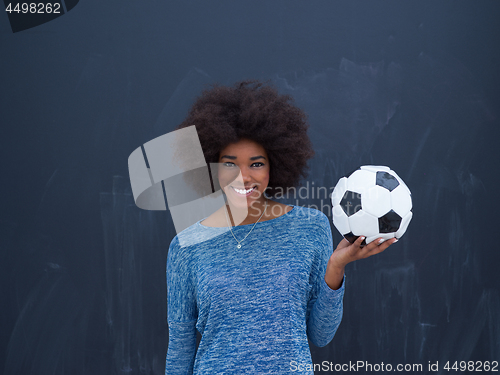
(387, 180)
(351, 238)
(389, 223)
(351, 202)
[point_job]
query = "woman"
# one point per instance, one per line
(257, 291)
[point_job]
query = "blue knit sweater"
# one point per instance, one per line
(255, 306)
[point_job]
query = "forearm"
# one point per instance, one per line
(181, 348)
(326, 315)
(334, 274)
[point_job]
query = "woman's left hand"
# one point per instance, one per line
(346, 253)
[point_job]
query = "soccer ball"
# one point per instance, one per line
(373, 201)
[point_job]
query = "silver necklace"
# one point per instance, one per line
(229, 225)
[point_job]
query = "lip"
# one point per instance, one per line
(244, 195)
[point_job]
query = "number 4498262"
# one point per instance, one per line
(33, 8)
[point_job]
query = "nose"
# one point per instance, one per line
(244, 176)
(245, 173)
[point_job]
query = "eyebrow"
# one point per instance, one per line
(234, 157)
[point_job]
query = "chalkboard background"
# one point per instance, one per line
(414, 85)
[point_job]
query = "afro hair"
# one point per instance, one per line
(253, 110)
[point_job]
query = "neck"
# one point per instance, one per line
(248, 215)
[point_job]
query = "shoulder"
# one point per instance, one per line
(195, 237)
(305, 222)
(184, 239)
(181, 255)
(313, 221)
(311, 228)
(173, 250)
(311, 216)
(216, 220)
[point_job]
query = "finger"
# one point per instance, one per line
(373, 245)
(359, 241)
(382, 245)
(354, 248)
(343, 243)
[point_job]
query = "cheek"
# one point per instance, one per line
(223, 180)
(265, 178)
(226, 176)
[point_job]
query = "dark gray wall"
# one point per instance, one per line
(414, 85)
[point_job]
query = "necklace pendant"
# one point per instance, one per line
(230, 228)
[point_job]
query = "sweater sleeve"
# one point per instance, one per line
(181, 311)
(325, 306)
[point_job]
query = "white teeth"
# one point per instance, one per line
(243, 191)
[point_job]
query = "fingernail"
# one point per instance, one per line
(362, 238)
(394, 241)
(381, 240)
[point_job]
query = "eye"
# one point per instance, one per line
(228, 164)
(258, 164)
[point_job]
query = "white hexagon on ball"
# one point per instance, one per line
(361, 180)
(404, 225)
(401, 200)
(401, 182)
(384, 236)
(376, 201)
(363, 224)
(339, 191)
(375, 168)
(340, 220)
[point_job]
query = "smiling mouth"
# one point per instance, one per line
(244, 192)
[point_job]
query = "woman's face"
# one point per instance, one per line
(244, 172)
